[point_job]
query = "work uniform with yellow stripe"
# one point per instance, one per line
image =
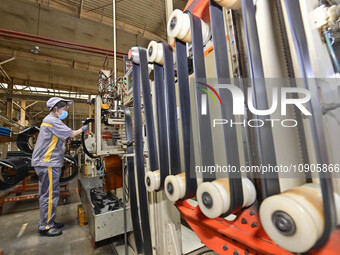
(47, 159)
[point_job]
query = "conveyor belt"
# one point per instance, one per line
(169, 74)
(132, 183)
(148, 111)
(161, 124)
(295, 24)
(185, 108)
(264, 135)
(204, 123)
(223, 77)
(141, 71)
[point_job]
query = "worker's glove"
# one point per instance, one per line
(85, 128)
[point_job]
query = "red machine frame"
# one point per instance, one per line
(243, 235)
(28, 188)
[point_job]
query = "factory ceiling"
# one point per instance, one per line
(57, 65)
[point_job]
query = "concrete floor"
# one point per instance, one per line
(75, 239)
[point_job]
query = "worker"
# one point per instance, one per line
(48, 159)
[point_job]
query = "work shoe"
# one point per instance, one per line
(51, 232)
(58, 225)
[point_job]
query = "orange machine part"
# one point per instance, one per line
(106, 135)
(332, 247)
(113, 173)
(199, 8)
(244, 235)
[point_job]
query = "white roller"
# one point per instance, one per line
(152, 180)
(179, 27)
(177, 186)
(218, 191)
(249, 192)
(155, 52)
(304, 206)
(336, 198)
(217, 197)
(229, 4)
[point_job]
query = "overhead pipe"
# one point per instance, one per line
(58, 41)
(59, 45)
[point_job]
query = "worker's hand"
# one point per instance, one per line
(85, 128)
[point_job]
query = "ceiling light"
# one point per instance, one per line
(35, 50)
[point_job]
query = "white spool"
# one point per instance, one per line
(133, 54)
(178, 187)
(155, 52)
(304, 206)
(152, 180)
(336, 198)
(229, 4)
(249, 192)
(217, 192)
(179, 27)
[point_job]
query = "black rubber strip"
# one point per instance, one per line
(169, 75)
(161, 124)
(264, 136)
(74, 167)
(132, 183)
(148, 111)
(204, 124)
(296, 26)
(20, 168)
(290, 70)
(185, 108)
(223, 77)
(23, 139)
(139, 153)
(90, 120)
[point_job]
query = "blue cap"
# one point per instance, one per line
(54, 100)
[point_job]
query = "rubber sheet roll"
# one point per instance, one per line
(179, 27)
(133, 54)
(229, 4)
(175, 187)
(152, 180)
(294, 219)
(214, 198)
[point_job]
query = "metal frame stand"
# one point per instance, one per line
(28, 188)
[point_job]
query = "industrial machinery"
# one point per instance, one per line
(234, 127)
(104, 195)
(241, 113)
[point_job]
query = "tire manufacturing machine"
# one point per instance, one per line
(274, 43)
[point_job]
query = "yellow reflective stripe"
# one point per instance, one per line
(45, 125)
(50, 191)
(51, 148)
